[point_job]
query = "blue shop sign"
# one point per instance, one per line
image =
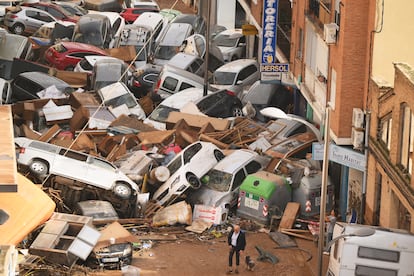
(269, 32)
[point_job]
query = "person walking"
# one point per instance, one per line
(237, 243)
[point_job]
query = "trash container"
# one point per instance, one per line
(308, 194)
(261, 192)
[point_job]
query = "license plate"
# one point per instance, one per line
(110, 260)
(251, 203)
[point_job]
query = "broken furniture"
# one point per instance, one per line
(65, 238)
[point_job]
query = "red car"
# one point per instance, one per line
(130, 14)
(65, 55)
(55, 10)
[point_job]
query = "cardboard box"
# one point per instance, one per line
(196, 121)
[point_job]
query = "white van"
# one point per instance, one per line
(383, 252)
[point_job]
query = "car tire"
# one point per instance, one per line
(193, 180)
(18, 29)
(236, 111)
(39, 167)
(218, 155)
(122, 190)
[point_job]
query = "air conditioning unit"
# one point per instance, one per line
(329, 33)
(358, 118)
(357, 138)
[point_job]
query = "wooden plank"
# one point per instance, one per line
(288, 232)
(289, 215)
(8, 166)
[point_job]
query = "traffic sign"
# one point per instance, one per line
(249, 29)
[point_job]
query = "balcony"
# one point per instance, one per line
(320, 11)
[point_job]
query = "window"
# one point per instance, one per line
(73, 155)
(378, 254)
(299, 49)
(56, 13)
(253, 167)
(190, 152)
(407, 138)
(361, 270)
(385, 130)
(185, 85)
(238, 179)
(170, 83)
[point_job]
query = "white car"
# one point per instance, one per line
(220, 186)
(186, 169)
(44, 158)
(120, 100)
(232, 44)
(236, 75)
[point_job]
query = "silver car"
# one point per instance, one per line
(221, 184)
(236, 75)
(26, 20)
(232, 44)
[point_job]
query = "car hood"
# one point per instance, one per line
(208, 197)
(225, 50)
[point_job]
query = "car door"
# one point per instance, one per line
(71, 164)
(36, 19)
(101, 173)
(234, 189)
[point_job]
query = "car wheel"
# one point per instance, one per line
(39, 167)
(18, 28)
(218, 155)
(122, 190)
(193, 180)
(236, 111)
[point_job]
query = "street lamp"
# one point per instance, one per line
(360, 232)
(277, 113)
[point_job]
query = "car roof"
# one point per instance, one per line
(236, 65)
(182, 60)
(181, 98)
(181, 72)
(147, 19)
(232, 162)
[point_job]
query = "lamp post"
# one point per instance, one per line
(360, 232)
(274, 112)
(277, 113)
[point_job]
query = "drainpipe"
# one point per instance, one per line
(365, 176)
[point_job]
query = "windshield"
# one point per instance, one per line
(218, 180)
(126, 99)
(225, 41)
(224, 78)
(165, 52)
(94, 38)
(160, 114)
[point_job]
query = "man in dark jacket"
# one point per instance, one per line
(237, 243)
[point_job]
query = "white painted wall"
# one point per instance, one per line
(226, 13)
